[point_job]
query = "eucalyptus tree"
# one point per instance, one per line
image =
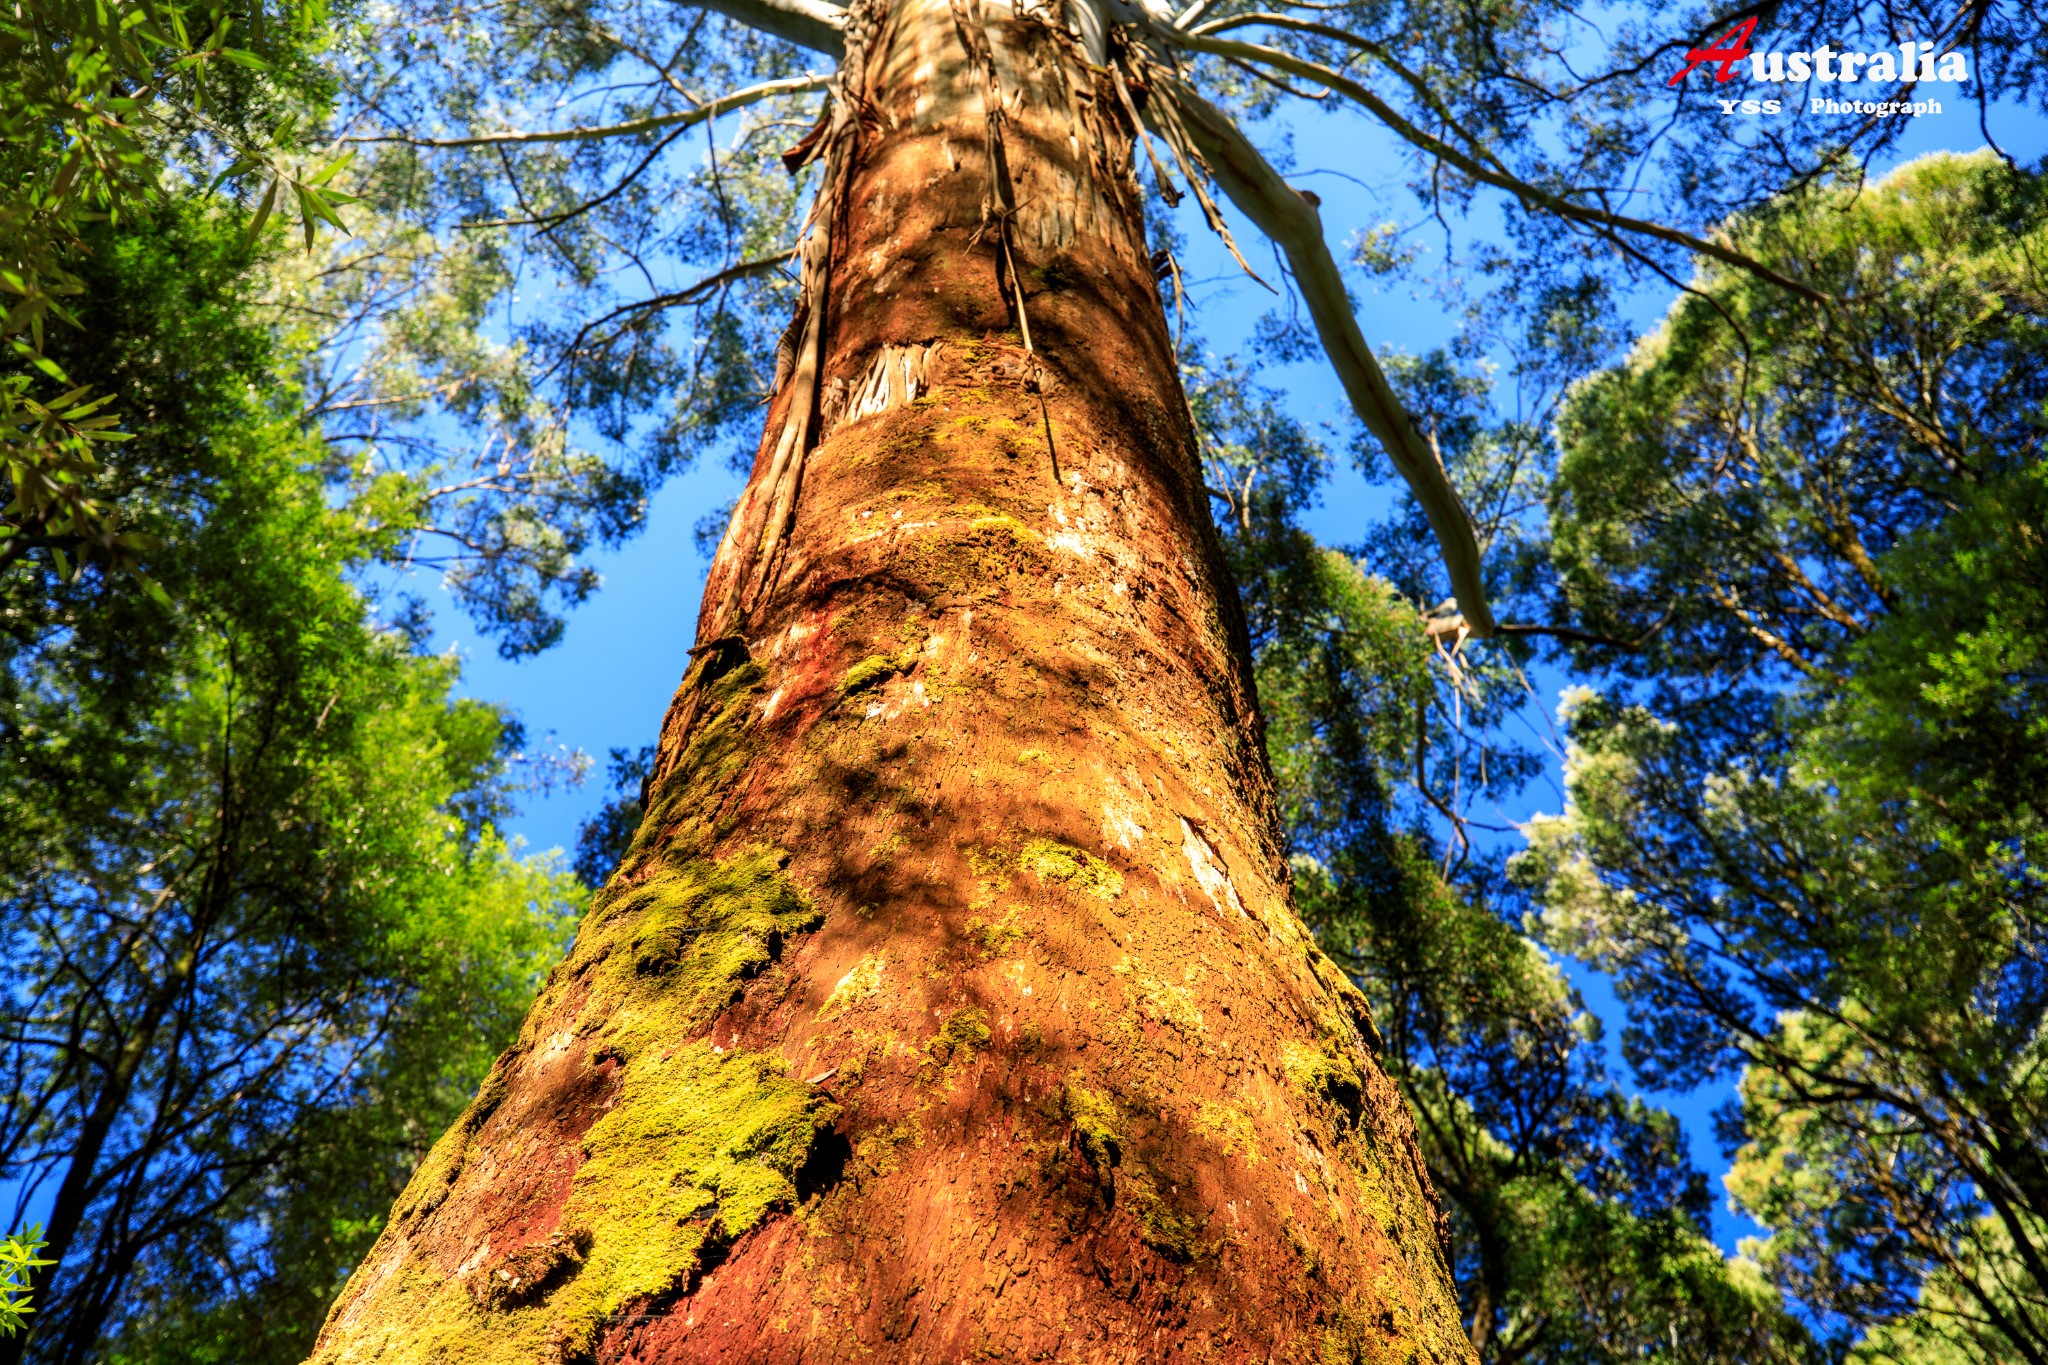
(1805, 825)
(950, 998)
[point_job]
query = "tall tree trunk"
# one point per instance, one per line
(950, 1003)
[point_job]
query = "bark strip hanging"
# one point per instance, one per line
(999, 201)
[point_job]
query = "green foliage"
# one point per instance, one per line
(439, 431)
(94, 101)
(263, 939)
(1811, 845)
(18, 1264)
(102, 104)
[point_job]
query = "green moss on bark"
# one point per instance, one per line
(874, 669)
(1098, 1126)
(963, 1032)
(1232, 1129)
(1065, 865)
(1323, 1072)
(1101, 1132)
(1173, 1233)
(856, 987)
(996, 937)
(695, 1144)
(682, 943)
(700, 1147)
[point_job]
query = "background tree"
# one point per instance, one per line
(262, 938)
(1577, 1222)
(103, 107)
(1805, 824)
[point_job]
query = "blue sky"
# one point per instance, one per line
(608, 682)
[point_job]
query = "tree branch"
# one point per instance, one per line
(1484, 173)
(681, 298)
(814, 24)
(1294, 225)
(1588, 637)
(789, 85)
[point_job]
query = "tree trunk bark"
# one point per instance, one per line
(950, 1003)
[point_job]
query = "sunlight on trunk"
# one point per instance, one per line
(951, 1003)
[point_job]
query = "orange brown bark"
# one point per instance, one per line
(956, 956)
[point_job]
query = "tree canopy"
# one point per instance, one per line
(1805, 823)
(262, 937)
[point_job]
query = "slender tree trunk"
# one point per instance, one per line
(81, 1176)
(950, 1004)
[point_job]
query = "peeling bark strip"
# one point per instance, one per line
(899, 375)
(950, 1003)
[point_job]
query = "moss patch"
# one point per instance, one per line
(691, 1145)
(1070, 867)
(1322, 1072)
(700, 1146)
(680, 945)
(1168, 1003)
(856, 987)
(1311, 1259)
(995, 938)
(695, 1147)
(1232, 1129)
(1099, 1130)
(1009, 525)
(1173, 1233)
(698, 1149)
(1098, 1127)
(963, 1032)
(876, 668)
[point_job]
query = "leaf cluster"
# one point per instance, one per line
(18, 1264)
(103, 104)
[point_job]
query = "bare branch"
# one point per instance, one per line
(789, 85)
(682, 298)
(814, 24)
(1294, 225)
(1488, 174)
